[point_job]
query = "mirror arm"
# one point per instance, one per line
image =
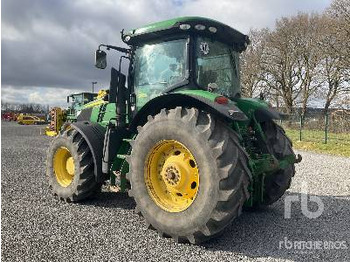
(120, 49)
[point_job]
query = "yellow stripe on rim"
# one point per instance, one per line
(63, 166)
(171, 176)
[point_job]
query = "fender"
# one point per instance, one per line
(85, 114)
(226, 112)
(257, 108)
(94, 136)
(264, 114)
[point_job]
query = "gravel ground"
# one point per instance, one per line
(36, 227)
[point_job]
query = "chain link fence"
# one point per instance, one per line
(316, 126)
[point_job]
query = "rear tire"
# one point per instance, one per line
(70, 167)
(223, 174)
(280, 145)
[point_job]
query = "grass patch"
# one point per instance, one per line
(313, 140)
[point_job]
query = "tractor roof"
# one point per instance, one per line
(82, 93)
(188, 25)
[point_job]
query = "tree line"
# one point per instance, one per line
(306, 56)
(29, 108)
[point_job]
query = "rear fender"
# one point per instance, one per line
(228, 112)
(265, 114)
(94, 136)
(257, 108)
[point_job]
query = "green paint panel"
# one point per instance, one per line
(205, 94)
(103, 114)
(249, 105)
(94, 114)
(109, 113)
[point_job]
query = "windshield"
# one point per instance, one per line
(158, 67)
(77, 99)
(76, 102)
(217, 67)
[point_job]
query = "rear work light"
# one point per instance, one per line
(221, 100)
(185, 26)
(199, 27)
(212, 29)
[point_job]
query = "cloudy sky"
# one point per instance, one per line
(48, 46)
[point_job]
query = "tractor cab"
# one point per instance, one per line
(187, 53)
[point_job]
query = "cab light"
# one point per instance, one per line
(185, 26)
(199, 27)
(212, 29)
(127, 38)
(221, 100)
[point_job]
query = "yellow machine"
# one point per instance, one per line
(100, 99)
(57, 119)
(24, 119)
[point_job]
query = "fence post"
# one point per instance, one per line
(326, 128)
(300, 126)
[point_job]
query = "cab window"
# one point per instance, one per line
(157, 67)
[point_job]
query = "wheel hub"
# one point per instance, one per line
(63, 166)
(171, 176)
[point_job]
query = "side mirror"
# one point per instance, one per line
(100, 59)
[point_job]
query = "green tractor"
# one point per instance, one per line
(176, 133)
(76, 104)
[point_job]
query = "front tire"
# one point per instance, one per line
(200, 167)
(70, 167)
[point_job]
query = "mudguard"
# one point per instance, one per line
(264, 114)
(85, 114)
(224, 111)
(94, 135)
(257, 108)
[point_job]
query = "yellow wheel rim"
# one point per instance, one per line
(171, 176)
(63, 166)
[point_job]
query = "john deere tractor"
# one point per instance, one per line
(77, 102)
(176, 134)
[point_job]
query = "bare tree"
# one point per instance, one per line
(307, 28)
(251, 59)
(340, 11)
(305, 55)
(280, 63)
(333, 74)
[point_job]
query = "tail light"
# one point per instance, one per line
(222, 100)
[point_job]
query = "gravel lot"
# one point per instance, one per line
(37, 227)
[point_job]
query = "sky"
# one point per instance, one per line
(47, 46)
